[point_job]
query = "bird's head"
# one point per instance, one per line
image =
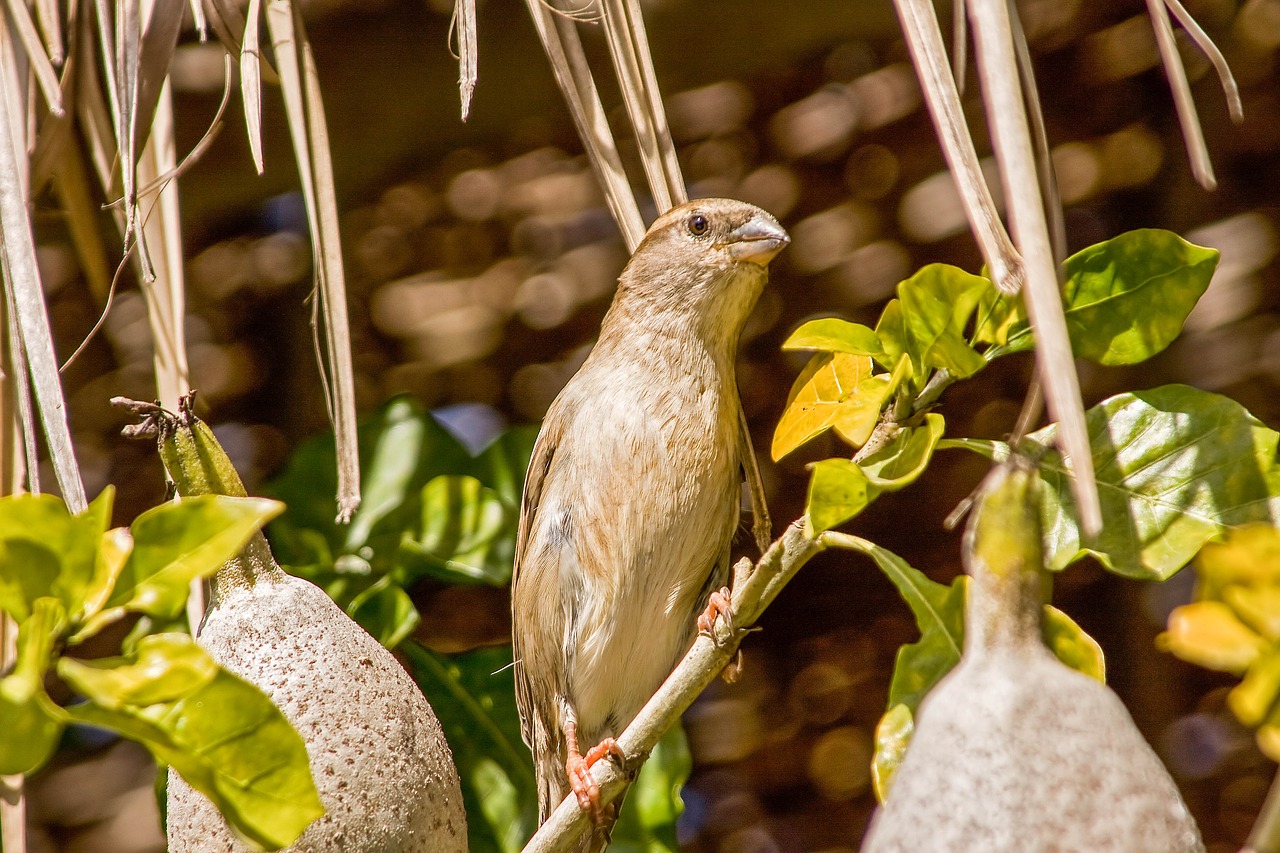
(705, 260)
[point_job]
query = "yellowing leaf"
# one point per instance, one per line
(1252, 699)
(829, 392)
(1257, 607)
(1207, 633)
(1250, 556)
(831, 334)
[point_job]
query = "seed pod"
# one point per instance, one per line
(377, 753)
(1014, 751)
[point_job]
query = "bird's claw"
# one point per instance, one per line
(584, 785)
(719, 604)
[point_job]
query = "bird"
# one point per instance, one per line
(633, 495)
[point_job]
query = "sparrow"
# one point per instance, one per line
(632, 496)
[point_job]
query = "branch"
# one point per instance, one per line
(755, 587)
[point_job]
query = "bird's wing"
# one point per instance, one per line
(761, 526)
(540, 462)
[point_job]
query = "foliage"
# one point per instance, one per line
(939, 613)
(429, 510)
(1176, 466)
(65, 577)
(1233, 625)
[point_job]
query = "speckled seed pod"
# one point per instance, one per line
(1013, 751)
(377, 753)
(379, 758)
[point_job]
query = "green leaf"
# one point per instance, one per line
(831, 334)
(647, 822)
(219, 732)
(463, 523)
(28, 717)
(891, 329)
(175, 543)
(401, 448)
(838, 490)
(474, 697)
(1071, 645)
(1127, 298)
(44, 550)
(939, 613)
(893, 736)
(835, 390)
(393, 465)
(1175, 467)
(900, 462)
(502, 465)
(386, 611)
(937, 303)
(396, 538)
(999, 315)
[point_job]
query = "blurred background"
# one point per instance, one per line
(480, 260)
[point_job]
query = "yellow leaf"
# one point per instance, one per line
(1250, 556)
(1253, 698)
(829, 392)
(1207, 633)
(1257, 607)
(1268, 738)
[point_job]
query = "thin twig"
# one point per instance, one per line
(251, 82)
(1040, 138)
(626, 64)
(40, 62)
(649, 79)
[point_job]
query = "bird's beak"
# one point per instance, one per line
(758, 240)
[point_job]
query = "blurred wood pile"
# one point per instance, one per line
(481, 259)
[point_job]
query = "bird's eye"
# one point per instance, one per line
(698, 225)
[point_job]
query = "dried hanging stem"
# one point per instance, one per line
(924, 39)
(569, 64)
(305, 109)
(464, 22)
(1011, 137)
(26, 296)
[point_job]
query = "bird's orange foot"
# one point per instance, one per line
(584, 786)
(720, 605)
